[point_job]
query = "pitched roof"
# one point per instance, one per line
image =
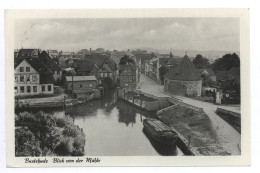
(174, 61)
(49, 62)
(106, 67)
(83, 65)
(185, 71)
(144, 57)
(211, 72)
(81, 78)
(208, 70)
(36, 65)
(27, 53)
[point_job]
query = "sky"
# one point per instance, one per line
(203, 34)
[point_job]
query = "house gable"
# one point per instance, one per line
(25, 64)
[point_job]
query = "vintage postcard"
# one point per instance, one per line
(127, 87)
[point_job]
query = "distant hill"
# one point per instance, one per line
(211, 54)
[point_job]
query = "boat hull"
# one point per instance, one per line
(159, 138)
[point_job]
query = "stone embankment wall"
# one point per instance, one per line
(224, 111)
(157, 104)
(178, 102)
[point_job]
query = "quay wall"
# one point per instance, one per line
(178, 102)
(224, 111)
(159, 103)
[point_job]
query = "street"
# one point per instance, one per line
(229, 138)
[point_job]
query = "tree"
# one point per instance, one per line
(125, 60)
(162, 71)
(201, 62)
(226, 62)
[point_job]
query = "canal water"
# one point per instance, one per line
(115, 128)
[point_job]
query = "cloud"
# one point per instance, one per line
(158, 33)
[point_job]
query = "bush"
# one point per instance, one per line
(42, 134)
(25, 143)
(61, 122)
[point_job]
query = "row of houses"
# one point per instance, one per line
(36, 73)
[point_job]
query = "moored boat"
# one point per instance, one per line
(160, 132)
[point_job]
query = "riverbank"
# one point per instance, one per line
(61, 101)
(42, 134)
(232, 118)
(195, 130)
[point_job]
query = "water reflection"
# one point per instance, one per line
(114, 128)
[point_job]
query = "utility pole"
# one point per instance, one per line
(72, 74)
(72, 85)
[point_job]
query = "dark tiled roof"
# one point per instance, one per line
(174, 61)
(86, 65)
(185, 71)
(23, 53)
(83, 65)
(144, 57)
(49, 62)
(36, 65)
(46, 75)
(209, 70)
(46, 79)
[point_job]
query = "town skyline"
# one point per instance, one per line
(200, 34)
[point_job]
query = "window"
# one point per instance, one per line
(34, 78)
(43, 88)
(49, 87)
(27, 69)
(21, 69)
(15, 78)
(27, 78)
(15, 90)
(34, 88)
(22, 89)
(101, 74)
(105, 74)
(21, 78)
(90, 85)
(126, 84)
(58, 72)
(28, 89)
(80, 85)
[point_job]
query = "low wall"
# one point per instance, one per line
(224, 111)
(163, 101)
(165, 109)
(178, 102)
(232, 118)
(160, 103)
(149, 106)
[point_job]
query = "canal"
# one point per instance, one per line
(115, 128)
